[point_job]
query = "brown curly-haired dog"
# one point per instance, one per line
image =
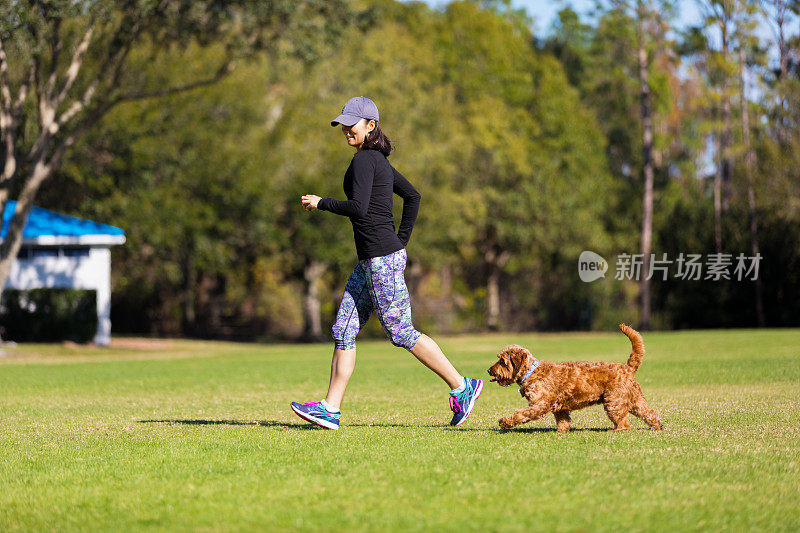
(563, 387)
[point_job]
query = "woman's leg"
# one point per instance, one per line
(342, 365)
(354, 311)
(392, 302)
(430, 355)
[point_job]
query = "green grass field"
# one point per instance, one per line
(198, 436)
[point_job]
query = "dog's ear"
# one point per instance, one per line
(519, 355)
(505, 355)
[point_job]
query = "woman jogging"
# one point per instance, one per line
(377, 282)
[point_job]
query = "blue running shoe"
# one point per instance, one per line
(462, 403)
(315, 412)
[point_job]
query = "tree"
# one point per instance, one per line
(570, 41)
(531, 156)
(311, 157)
(185, 175)
(65, 64)
(719, 15)
(649, 25)
(745, 26)
(776, 13)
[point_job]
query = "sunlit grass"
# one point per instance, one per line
(190, 435)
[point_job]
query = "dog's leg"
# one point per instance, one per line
(620, 419)
(526, 414)
(617, 410)
(562, 421)
(641, 410)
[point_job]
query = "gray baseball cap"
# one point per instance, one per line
(355, 109)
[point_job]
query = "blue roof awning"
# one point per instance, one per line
(48, 228)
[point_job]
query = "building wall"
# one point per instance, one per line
(69, 271)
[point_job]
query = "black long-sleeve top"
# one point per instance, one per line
(369, 183)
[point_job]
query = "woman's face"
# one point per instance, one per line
(357, 133)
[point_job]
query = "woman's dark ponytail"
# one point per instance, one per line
(377, 140)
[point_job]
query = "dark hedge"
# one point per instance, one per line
(48, 315)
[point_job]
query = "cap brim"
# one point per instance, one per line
(347, 120)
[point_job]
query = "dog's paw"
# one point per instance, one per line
(506, 423)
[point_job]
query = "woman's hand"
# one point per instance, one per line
(310, 201)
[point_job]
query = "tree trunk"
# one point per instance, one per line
(493, 298)
(13, 241)
(413, 274)
(717, 195)
(751, 195)
(311, 306)
(447, 310)
(189, 291)
(782, 48)
(727, 130)
(784, 66)
(495, 260)
(647, 199)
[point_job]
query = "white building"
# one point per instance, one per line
(63, 252)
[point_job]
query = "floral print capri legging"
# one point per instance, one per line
(376, 284)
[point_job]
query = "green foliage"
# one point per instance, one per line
(188, 185)
(482, 163)
(524, 156)
(40, 39)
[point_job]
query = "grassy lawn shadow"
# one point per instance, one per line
(307, 426)
(553, 430)
(213, 422)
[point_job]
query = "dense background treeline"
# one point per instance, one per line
(526, 151)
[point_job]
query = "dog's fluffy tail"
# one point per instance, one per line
(635, 360)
